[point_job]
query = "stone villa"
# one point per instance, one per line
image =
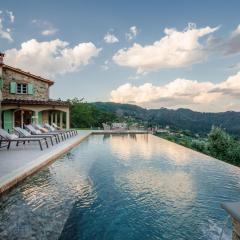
(25, 99)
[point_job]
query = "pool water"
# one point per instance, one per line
(126, 186)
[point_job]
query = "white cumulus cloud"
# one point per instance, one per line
(51, 57)
(176, 49)
(110, 38)
(200, 96)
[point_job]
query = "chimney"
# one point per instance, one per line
(1, 58)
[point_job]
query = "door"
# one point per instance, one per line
(22, 117)
(8, 120)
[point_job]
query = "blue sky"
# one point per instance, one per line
(193, 73)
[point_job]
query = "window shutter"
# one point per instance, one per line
(8, 120)
(30, 88)
(13, 86)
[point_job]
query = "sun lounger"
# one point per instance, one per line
(9, 138)
(45, 130)
(37, 132)
(53, 128)
(73, 131)
(24, 133)
(58, 128)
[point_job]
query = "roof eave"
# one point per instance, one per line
(18, 70)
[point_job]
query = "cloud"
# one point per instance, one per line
(176, 49)
(200, 96)
(49, 31)
(110, 38)
(227, 46)
(235, 66)
(236, 32)
(5, 33)
(133, 77)
(11, 16)
(132, 33)
(105, 66)
(232, 44)
(47, 27)
(51, 57)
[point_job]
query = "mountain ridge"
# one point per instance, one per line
(182, 118)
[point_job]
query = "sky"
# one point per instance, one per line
(173, 54)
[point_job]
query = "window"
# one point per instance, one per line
(22, 88)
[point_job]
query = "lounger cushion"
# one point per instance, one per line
(25, 132)
(12, 136)
(49, 127)
(52, 128)
(44, 130)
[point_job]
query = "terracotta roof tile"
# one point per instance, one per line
(35, 102)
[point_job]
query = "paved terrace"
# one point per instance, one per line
(22, 161)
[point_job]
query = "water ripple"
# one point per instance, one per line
(123, 187)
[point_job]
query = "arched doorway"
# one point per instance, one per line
(22, 117)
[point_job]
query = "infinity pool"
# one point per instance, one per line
(123, 187)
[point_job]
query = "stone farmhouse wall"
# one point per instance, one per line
(40, 89)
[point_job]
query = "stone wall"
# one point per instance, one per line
(40, 88)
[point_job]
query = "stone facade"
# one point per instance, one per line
(40, 88)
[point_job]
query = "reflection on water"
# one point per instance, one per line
(179, 190)
(140, 144)
(125, 145)
(122, 186)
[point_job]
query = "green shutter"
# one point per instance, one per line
(40, 121)
(8, 120)
(13, 87)
(30, 88)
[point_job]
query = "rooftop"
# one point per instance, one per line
(50, 82)
(35, 102)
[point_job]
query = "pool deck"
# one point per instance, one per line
(22, 161)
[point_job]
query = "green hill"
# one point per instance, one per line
(185, 119)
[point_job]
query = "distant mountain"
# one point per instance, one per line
(185, 119)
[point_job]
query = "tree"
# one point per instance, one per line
(86, 115)
(219, 142)
(224, 146)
